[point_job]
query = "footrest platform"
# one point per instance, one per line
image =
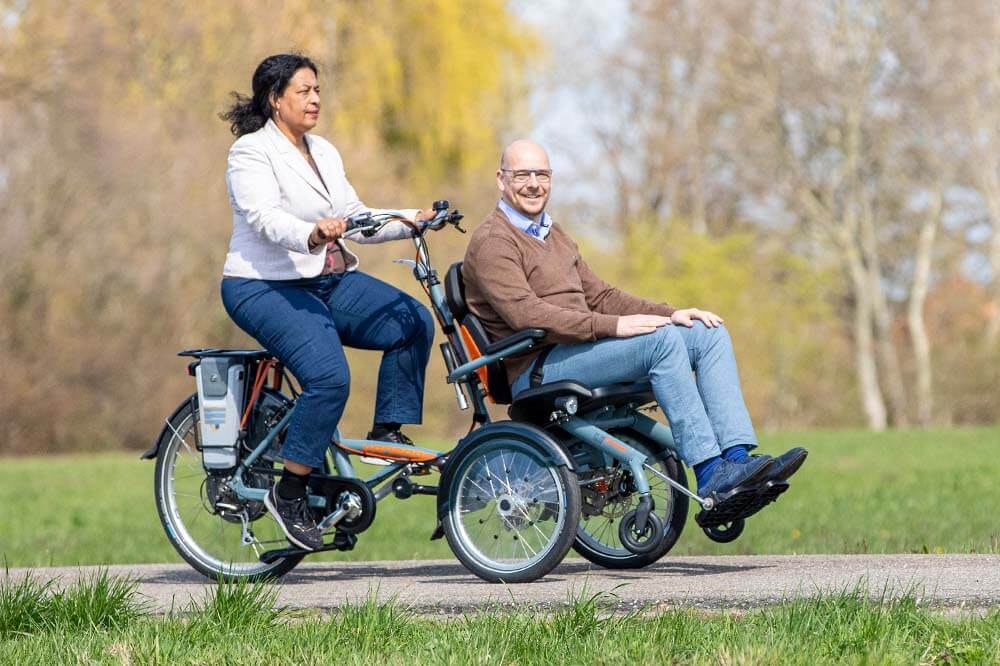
(740, 502)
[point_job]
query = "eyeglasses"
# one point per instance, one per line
(522, 176)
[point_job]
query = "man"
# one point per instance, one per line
(522, 271)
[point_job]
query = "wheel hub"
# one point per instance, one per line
(220, 499)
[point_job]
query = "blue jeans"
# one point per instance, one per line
(305, 324)
(706, 411)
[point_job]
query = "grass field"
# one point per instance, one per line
(859, 492)
(102, 621)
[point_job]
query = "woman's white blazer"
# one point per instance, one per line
(277, 199)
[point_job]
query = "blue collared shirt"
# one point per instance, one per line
(539, 230)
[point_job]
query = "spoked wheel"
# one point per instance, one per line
(609, 497)
(512, 514)
(204, 520)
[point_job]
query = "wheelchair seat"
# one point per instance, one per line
(493, 376)
(534, 405)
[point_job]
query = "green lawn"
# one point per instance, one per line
(903, 491)
(102, 621)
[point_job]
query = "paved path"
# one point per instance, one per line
(947, 581)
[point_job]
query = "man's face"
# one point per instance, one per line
(525, 179)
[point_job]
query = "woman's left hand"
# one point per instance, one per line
(687, 317)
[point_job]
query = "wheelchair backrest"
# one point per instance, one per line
(474, 337)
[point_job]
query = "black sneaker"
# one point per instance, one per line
(295, 520)
(391, 437)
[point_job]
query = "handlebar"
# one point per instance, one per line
(368, 224)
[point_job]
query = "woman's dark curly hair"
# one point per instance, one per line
(249, 114)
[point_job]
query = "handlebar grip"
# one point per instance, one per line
(361, 220)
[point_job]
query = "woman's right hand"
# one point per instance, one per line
(327, 230)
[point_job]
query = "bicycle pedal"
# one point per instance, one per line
(341, 541)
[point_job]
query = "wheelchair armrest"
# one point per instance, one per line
(535, 334)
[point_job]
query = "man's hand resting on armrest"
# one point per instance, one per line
(629, 325)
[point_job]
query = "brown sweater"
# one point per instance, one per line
(514, 282)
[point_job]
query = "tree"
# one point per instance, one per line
(112, 190)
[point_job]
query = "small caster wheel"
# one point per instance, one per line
(727, 532)
(644, 542)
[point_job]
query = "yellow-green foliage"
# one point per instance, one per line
(112, 191)
(437, 77)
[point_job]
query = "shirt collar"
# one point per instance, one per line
(524, 223)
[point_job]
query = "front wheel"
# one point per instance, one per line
(205, 521)
(512, 513)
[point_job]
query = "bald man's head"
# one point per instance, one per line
(525, 177)
(523, 150)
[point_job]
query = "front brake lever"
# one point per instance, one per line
(454, 218)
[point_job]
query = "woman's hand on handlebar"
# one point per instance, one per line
(327, 230)
(424, 217)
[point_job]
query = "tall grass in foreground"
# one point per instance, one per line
(29, 605)
(241, 624)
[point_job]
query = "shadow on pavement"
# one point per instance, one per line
(428, 573)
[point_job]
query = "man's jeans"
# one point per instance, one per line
(305, 324)
(706, 411)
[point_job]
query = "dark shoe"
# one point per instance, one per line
(295, 520)
(729, 475)
(392, 437)
(787, 463)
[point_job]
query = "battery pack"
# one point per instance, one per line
(220, 404)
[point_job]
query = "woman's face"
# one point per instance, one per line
(298, 106)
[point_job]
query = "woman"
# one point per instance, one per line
(290, 282)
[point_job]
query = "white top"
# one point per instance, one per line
(537, 229)
(277, 199)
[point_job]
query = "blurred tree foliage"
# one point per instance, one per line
(778, 309)
(112, 192)
(717, 125)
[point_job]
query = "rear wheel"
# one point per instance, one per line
(512, 513)
(609, 497)
(203, 518)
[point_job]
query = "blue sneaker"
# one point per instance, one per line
(729, 475)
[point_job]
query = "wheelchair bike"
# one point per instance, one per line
(507, 500)
(634, 493)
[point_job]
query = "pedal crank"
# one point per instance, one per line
(348, 506)
(350, 503)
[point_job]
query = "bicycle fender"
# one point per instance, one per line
(522, 432)
(153, 451)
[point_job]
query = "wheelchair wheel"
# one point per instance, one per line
(202, 518)
(512, 514)
(725, 533)
(606, 504)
